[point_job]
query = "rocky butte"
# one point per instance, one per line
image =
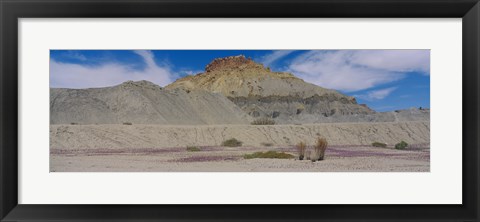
(263, 93)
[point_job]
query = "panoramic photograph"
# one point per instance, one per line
(240, 110)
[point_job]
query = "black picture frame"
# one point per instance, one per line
(11, 11)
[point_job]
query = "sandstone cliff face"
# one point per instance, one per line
(263, 93)
(142, 103)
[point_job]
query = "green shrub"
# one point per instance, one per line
(301, 147)
(73, 123)
(378, 144)
(269, 155)
(401, 146)
(127, 123)
(263, 121)
(193, 149)
(232, 142)
(319, 150)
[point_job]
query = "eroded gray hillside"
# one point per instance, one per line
(142, 103)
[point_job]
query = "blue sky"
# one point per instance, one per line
(383, 79)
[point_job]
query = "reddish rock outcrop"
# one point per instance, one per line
(232, 62)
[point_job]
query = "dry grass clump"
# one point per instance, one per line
(263, 121)
(319, 150)
(301, 147)
(315, 154)
(378, 144)
(193, 149)
(232, 142)
(269, 155)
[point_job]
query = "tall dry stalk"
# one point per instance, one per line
(301, 147)
(319, 149)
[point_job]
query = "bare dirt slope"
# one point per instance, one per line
(158, 136)
(142, 103)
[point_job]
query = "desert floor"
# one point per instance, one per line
(230, 159)
(160, 148)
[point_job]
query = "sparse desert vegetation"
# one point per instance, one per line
(401, 146)
(301, 147)
(319, 150)
(378, 144)
(127, 123)
(232, 142)
(263, 121)
(269, 155)
(193, 149)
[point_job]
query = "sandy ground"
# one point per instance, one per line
(160, 148)
(227, 159)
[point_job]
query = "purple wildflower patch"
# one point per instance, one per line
(205, 159)
(106, 151)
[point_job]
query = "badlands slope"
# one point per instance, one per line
(142, 103)
(77, 137)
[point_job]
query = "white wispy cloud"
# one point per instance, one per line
(69, 75)
(354, 70)
(269, 59)
(376, 94)
(394, 60)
